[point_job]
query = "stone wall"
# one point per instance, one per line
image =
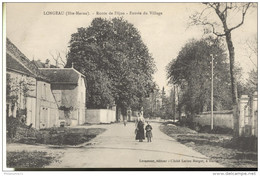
(222, 119)
(100, 116)
(247, 120)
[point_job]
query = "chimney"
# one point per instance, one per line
(47, 63)
(72, 65)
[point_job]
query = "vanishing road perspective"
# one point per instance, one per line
(130, 85)
(117, 148)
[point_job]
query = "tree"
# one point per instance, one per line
(251, 84)
(59, 60)
(165, 104)
(252, 51)
(149, 105)
(115, 61)
(191, 71)
(17, 91)
(223, 11)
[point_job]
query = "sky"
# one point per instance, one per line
(37, 33)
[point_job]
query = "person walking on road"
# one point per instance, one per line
(149, 134)
(140, 130)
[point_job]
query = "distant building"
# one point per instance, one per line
(29, 96)
(69, 89)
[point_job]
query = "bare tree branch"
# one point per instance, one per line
(66, 57)
(58, 58)
(196, 20)
(52, 56)
(254, 49)
(222, 14)
(243, 17)
(213, 30)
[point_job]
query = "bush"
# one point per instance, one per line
(11, 126)
(207, 129)
(243, 143)
(187, 122)
(52, 136)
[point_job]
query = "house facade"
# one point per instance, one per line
(21, 88)
(69, 89)
(28, 95)
(47, 108)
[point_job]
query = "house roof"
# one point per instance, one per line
(14, 65)
(62, 75)
(17, 61)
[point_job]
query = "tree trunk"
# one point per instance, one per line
(118, 112)
(232, 65)
(233, 83)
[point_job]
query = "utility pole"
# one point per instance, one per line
(173, 103)
(212, 59)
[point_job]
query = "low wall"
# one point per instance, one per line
(220, 119)
(100, 116)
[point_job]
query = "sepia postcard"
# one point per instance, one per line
(130, 86)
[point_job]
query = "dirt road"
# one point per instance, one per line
(117, 148)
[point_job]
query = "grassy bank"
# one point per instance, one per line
(219, 147)
(63, 137)
(54, 136)
(25, 159)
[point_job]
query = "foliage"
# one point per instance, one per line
(191, 70)
(151, 104)
(252, 82)
(221, 148)
(61, 136)
(11, 126)
(158, 104)
(115, 61)
(16, 129)
(225, 12)
(250, 85)
(16, 88)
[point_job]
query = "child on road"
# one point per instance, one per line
(148, 130)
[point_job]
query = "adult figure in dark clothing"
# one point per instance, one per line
(140, 131)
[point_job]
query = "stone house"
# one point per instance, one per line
(69, 89)
(28, 95)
